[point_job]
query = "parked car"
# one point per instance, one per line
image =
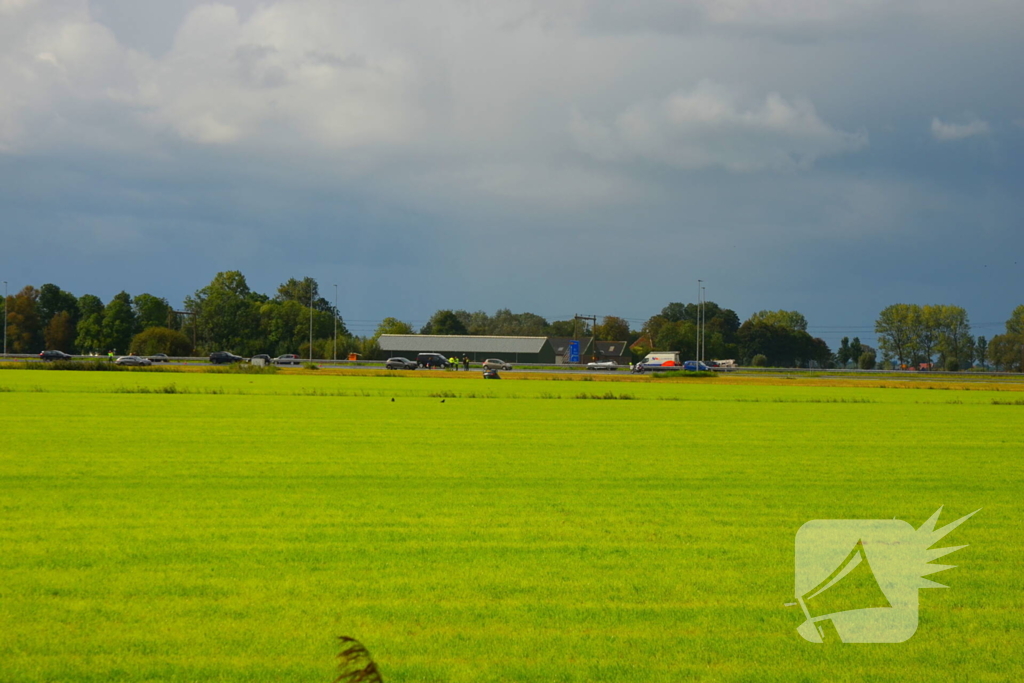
(132, 360)
(55, 355)
(399, 363)
(218, 357)
(265, 357)
(287, 359)
(496, 364)
(603, 365)
(432, 360)
(159, 358)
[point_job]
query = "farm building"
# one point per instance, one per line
(478, 348)
(560, 345)
(617, 351)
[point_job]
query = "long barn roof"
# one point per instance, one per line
(459, 343)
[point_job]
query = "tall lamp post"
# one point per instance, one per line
(697, 352)
(703, 323)
(5, 318)
(335, 322)
(311, 281)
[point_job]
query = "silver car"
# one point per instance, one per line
(603, 365)
(496, 364)
(399, 363)
(132, 360)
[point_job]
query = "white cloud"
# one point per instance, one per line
(714, 126)
(290, 71)
(946, 132)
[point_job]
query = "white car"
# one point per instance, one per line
(603, 365)
(132, 360)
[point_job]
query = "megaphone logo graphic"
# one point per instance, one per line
(857, 580)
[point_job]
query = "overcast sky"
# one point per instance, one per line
(552, 156)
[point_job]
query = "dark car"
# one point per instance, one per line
(218, 357)
(55, 355)
(432, 360)
(287, 359)
(399, 363)
(159, 358)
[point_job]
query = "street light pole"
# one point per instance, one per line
(697, 352)
(703, 323)
(335, 322)
(5, 318)
(311, 319)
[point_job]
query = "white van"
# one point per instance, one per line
(664, 359)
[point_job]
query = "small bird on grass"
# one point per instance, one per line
(442, 400)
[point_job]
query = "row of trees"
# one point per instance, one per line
(910, 335)
(506, 323)
(227, 315)
(49, 317)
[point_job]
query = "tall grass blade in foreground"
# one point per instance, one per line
(356, 665)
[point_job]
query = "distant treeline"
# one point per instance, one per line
(227, 315)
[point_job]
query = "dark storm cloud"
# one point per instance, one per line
(553, 156)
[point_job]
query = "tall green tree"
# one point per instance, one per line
(508, 324)
(285, 326)
(792, 320)
(444, 322)
(392, 326)
(1015, 325)
(898, 328)
(89, 331)
(227, 315)
(781, 345)
(953, 335)
(59, 333)
(981, 350)
(843, 353)
(612, 328)
(569, 328)
(24, 329)
(152, 311)
(53, 300)
(305, 291)
(118, 323)
(1006, 351)
(856, 349)
(715, 318)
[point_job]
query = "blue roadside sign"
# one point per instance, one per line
(574, 352)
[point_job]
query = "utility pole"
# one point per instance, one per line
(5, 318)
(311, 281)
(591, 318)
(335, 322)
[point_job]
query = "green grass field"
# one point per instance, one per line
(204, 527)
